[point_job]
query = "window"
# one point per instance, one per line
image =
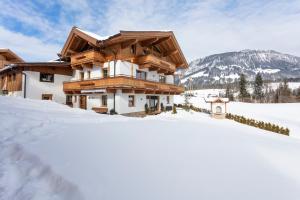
(131, 101)
(168, 99)
(46, 96)
(141, 74)
(162, 79)
(9, 77)
(69, 100)
(133, 49)
(104, 100)
(89, 74)
(81, 76)
(44, 77)
(105, 73)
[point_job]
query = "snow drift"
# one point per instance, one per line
(50, 151)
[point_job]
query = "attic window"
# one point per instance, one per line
(133, 49)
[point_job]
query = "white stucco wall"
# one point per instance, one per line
(122, 68)
(95, 100)
(35, 88)
(122, 103)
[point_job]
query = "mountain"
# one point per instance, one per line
(226, 67)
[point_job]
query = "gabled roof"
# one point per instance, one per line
(165, 40)
(10, 55)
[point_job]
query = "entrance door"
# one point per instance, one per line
(153, 102)
(82, 102)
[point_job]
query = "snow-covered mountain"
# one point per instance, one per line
(226, 67)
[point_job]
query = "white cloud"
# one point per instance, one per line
(202, 27)
(205, 27)
(29, 48)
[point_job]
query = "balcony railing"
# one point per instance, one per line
(122, 82)
(155, 63)
(87, 57)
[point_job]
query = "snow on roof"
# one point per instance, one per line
(55, 61)
(216, 99)
(7, 67)
(94, 35)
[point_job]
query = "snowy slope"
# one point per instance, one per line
(284, 114)
(226, 67)
(50, 151)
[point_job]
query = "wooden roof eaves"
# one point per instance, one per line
(133, 34)
(180, 51)
(76, 32)
(8, 51)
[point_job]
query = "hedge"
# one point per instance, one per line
(243, 120)
(259, 124)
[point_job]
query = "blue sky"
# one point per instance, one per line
(37, 29)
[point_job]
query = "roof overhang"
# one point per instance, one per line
(10, 55)
(17, 66)
(164, 40)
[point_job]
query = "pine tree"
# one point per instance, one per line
(227, 91)
(286, 90)
(258, 87)
(243, 87)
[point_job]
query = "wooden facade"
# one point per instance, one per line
(127, 84)
(151, 50)
(11, 81)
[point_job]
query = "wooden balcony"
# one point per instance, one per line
(156, 64)
(127, 84)
(89, 57)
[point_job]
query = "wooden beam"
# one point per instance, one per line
(77, 42)
(127, 91)
(110, 90)
(140, 91)
(71, 51)
(169, 53)
(128, 43)
(148, 42)
(179, 64)
(77, 67)
(161, 40)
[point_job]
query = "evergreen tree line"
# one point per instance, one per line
(262, 92)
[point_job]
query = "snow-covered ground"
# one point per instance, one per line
(283, 114)
(49, 151)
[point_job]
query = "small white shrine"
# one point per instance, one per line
(218, 106)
